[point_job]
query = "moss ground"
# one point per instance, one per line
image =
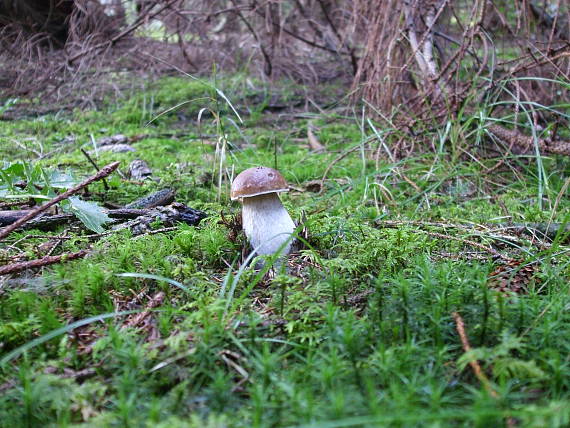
(359, 331)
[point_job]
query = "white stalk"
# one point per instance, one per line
(267, 224)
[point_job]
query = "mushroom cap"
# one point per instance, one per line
(256, 181)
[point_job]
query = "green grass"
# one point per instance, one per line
(301, 350)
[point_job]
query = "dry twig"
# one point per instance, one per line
(44, 261)
(479, 374)
(460, 326)
(94, 164)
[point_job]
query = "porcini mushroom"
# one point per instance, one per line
(266, 222)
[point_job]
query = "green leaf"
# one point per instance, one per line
(10, 174)
(61, 180)
(90, 214)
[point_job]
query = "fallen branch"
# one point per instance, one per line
(44, 261)
(51, 221)
(10, 216)
(160, 198)
(107, 170)
(140, 219)
(4, 205)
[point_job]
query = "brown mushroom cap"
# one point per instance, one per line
(257, 181)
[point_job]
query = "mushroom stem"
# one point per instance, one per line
(267, 224)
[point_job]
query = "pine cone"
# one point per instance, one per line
(513, 277)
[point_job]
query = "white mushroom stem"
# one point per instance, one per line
(267, 224)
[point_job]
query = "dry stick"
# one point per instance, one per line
(44, 261)
(266, 57)
(54, 220)
(507, 63)
(460, 325)
(49, 260)
(13, 204)
(479, 374)
(92, 162)
(350, 49)
(182, 43)
(61, 238)
(555, 55)
(34, 213)
(56, 243)
(473, 243)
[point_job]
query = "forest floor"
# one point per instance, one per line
(419, 298)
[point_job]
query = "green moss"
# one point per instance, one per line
(360, 331)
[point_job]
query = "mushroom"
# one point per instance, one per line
(266, 222)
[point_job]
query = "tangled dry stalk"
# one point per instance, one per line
(447, 58)
(59, 49)
(418, 63)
